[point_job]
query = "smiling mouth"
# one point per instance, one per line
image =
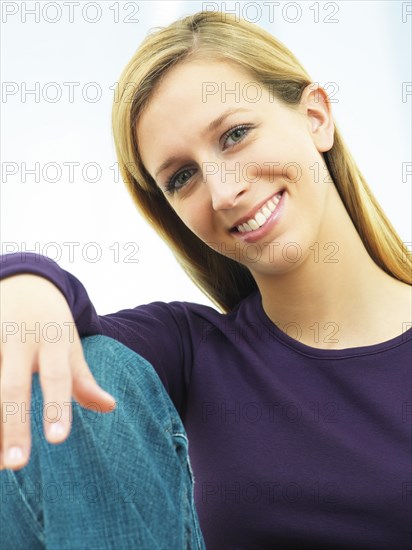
(261, 216)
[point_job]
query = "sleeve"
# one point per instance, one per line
(161, 332)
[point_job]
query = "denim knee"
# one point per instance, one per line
(121, 479)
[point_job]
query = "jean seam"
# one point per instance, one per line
(187, 492)
(32, 517)
(190, 506)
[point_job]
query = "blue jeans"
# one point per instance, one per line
(122, 480)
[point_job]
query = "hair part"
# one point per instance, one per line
(207, 34)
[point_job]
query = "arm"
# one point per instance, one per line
(36, 289)
(37, 293)
(162, 333)
(71, 288)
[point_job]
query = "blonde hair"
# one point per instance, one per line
(220, 35)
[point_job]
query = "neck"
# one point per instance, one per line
(336, 296)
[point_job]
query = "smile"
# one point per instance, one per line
(261, 216)
(264, 220)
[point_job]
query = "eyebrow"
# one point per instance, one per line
(209, 129)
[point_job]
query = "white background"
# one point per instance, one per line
(365, 53)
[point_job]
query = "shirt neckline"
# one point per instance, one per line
(310, 351)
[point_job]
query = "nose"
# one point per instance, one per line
(226, 184)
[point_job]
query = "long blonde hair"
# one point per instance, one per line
(223, 36)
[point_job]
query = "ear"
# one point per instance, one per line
(314, 105)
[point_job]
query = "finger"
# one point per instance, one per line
(1, 420)
(1, 432)
(15, 390)
(86, 390)
(56, 383)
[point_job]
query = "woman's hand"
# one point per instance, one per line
(38, 334)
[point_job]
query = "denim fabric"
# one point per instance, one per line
(122, 480)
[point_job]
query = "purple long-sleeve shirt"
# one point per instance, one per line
(292, 446)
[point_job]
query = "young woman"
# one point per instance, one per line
(294, 397)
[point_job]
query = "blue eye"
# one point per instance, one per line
(176, 182)
(234, 132)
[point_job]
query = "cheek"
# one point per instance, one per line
(285, 156)
(302, 165)
(197, 218)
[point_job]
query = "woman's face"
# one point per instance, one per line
(228, 173)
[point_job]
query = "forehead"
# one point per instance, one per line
(186, 100)
(203, 81)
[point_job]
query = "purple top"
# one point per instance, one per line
(291, 446)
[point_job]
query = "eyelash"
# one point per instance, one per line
(170, 183)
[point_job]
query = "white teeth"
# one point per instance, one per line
(261, 217)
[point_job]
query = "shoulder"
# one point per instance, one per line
(202, 317)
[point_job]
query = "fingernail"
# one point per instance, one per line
(14, 456)
(56, 430)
